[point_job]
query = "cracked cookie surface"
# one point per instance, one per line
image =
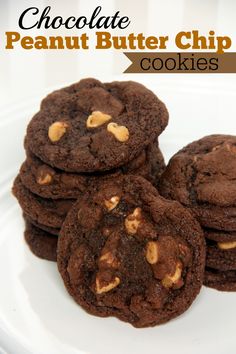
(91, 126)
(125, 251)
(202, 177)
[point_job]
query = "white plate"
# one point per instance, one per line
(36, 313)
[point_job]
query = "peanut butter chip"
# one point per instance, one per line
(231, 148)
(216, 147)
(132, 221)
(44, 179)
(105, 288)
(120, 132)
(57, 130)
(112, 203)
(152, 252)
(108, 258)
(96, 119)
(226, 245)
(170, 280)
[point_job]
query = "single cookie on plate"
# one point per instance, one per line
(202, 177)
(91, 126)
(41, 243)
(125, 251)
(54, 183)
(48, 212)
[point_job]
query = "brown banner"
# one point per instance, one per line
(181, 63)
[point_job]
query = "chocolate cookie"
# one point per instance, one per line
(50, 230)
(41, 243)
(47, 212)
(91, 126)
(221, 255)
(224, 281)
(49, 182)
(219, 218)
(125, 251)
(219, 236)
(202, 177)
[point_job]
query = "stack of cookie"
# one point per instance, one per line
(202, 176)
(82, 135)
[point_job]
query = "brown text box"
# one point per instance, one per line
(181, 62)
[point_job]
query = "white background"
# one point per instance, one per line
(25, 73)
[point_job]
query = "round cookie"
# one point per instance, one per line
(47, 212)
(125, 251)
(41, 243)
(223, 281)
(91, 126)
(219, 236)
(222, 259)
(202, 177)
(49, 182)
